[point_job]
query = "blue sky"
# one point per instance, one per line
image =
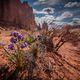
(56, 11)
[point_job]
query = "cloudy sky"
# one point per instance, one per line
(56, 11)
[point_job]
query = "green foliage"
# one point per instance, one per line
(29, 40)
(16, 57)
(15, 50)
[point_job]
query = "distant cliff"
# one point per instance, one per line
(15, 13)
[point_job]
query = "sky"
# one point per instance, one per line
(57, 12)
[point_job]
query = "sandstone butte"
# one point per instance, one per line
(15, 13)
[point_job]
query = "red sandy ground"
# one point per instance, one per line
(69, 53)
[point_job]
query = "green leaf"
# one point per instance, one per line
(30, 40)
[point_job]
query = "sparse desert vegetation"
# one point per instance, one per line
(40, 54)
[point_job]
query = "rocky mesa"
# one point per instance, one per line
(15, 13)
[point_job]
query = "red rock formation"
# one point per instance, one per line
(15, 13)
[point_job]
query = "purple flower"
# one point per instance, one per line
(24, 45)
(17, 35)
(20, 36)
(13, 40)
(11, 46)
(14, 34)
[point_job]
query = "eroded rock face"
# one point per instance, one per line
(13, 12)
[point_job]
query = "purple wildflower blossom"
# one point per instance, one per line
(13, 40)
(11, 46)
(20, 36)
(24, 45)
(14, 34)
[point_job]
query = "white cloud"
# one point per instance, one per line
(52, 19)
(44, 11)
(76, 21)
(60, 23)
(38, 20)
(64, 15)
(39, 12)
(47, 18)
(72, 4)
(48, 2)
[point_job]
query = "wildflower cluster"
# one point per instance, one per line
(16, 50)
(17, 39)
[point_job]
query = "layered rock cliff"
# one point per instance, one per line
(15, 13)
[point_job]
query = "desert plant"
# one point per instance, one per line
(15, 52)
(32, 62)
